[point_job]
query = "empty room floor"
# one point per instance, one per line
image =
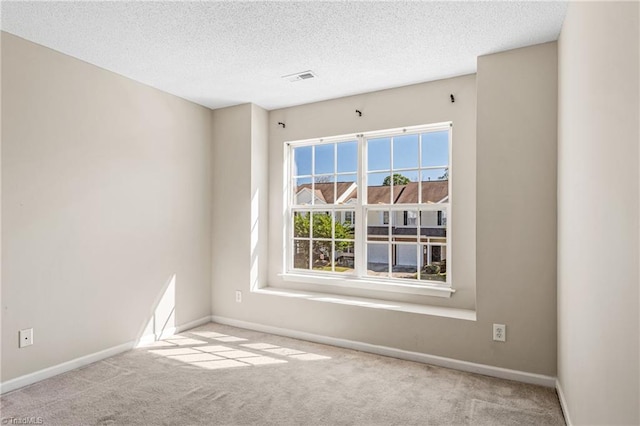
(217, 374)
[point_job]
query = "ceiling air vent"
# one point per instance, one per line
(299, 76)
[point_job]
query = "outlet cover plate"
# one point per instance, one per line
(499, 332)
(26, 337)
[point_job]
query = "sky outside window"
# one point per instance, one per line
(434, 148)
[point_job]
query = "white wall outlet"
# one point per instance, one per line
(26, 337)
(499, 332)
(238, 296)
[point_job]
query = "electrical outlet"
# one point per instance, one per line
(25, 337)
(499, 332)
(238, 296)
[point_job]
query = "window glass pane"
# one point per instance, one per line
(344, 223)
(435, 185)
(321, 255)
(396, 220)
(301, 254)
(347, 157)
(302, 191)
(346, 191)
(407, 219)
(435, 149)
(405, 152)
(379, 154)
(378, 225)
(324, 189)
(378, 259)
(433, 258)
(301, 224)
(405, 187)
(433, 224)
(405, 261)
(435, 174)
(322, 224)
(302, 164)
(344, 256)
(433, 262)
(324, 162)
(378, 188)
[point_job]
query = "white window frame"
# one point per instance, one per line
(359, 279)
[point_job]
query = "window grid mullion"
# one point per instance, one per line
(391, 171)
(288, 234)
(419, 171)
(333, 239)
(389, 212)
(360, 247)
(313, 178)
(311, 240)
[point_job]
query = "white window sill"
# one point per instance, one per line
(359, 283)
(455, 313)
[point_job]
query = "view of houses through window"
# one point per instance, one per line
(395, 229)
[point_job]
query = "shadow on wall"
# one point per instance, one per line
(162, 322)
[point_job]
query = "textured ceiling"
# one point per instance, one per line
(226, 53)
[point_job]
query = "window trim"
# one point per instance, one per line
(359, 280)
(370, 283)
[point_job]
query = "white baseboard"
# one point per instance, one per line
(487, 370)
(563, 403)
(46, 373)
(193, 324)
(34, 377)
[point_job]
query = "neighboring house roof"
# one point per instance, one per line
(434, 191)
(320, 195)
(324, 191)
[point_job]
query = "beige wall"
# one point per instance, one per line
(231, 213)
(515, 277)
(239, 233)
(105, 195)
(516, 192)
(598, 256)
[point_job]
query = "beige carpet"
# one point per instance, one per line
(217, 374)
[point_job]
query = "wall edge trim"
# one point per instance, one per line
(563, 403)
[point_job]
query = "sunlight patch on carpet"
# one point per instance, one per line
(259, 346)
(214, 348)
(202, 354)
(196, 357)
(263, 360)
(229, 339)
(236, 354)
(284, 351)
